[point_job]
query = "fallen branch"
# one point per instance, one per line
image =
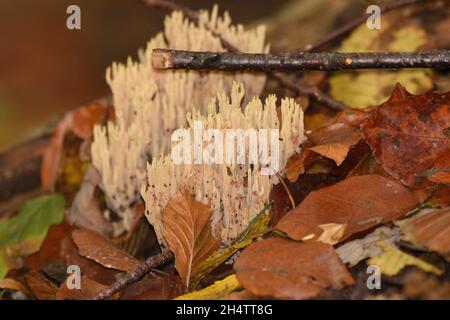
(304, 61)
(151, 263)
(298, 88)
(345, 29)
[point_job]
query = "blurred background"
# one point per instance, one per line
(46, 69)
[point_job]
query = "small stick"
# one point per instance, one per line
(152, 262)
(345, 29)
(298, 88)
(290, 62)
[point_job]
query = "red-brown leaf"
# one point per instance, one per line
(94, 246)
(357, 204)
(406, 133)
(287, 269)
(187, 230)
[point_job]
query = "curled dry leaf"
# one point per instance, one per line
(81, 122)
(429, 228)
(406, 133)
(42, 288)
(187, 230)
(332, 142)
(357, 203)
(11, 284)
(85, 210)
(287, 269)
(94, 246)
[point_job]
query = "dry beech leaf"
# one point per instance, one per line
(359, 202)
(95, 247)
(154, 287)
(406, 133)
(440, 173)
(334, 142)
(41, 287)
(429, 228)
(88, 290)
(187, 230)
(11, 284)
(287, 269)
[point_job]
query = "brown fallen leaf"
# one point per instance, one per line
(96, 247)
(441, 169)
(154, 287)
(359, 203)
(187, 230)
(79, 121)
(429, 228)
(85, 210)
(42, 288)
(88, 290)
(332, 142)
(11, 284)
(287, 269)
(406, 133)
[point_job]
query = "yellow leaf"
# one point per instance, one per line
(361, 89)
(219, 290)
(392, 260)
(257, 227)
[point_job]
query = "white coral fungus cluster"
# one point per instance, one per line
(235, 192)
(150, 104)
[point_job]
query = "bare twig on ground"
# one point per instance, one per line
(304, 61)
(299, 88)
(151, 263)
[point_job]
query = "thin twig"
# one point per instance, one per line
(327, 61)
(291, 198)
(151, 263)
(346, 28)
(298, 88)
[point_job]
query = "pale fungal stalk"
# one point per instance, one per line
(150, 104)
(236, 192)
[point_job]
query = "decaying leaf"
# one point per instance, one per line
(41, 287)
(357, 250)
(219, 290)
(361, 89)
(85, 210)
(257, 228)
(358, 203)
(187, 230)
(23, 234)
(287, 269)
(429, 228)
(94, 246)
(392, 260)
(406, 133)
